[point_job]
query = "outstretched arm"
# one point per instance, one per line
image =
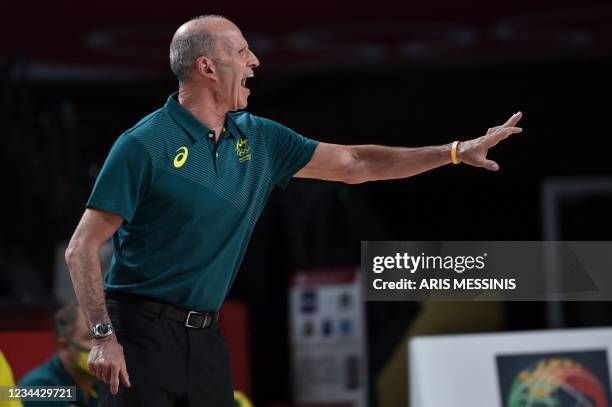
(357, 164)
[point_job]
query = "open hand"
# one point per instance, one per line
(474, 152)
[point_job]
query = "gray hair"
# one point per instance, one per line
(65, 321)
(189, 45)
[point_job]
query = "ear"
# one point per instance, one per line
(206, 67)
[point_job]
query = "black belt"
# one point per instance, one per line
(191, 319)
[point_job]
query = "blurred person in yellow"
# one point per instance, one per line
(68, 366)
(241, 399)
(6, 380)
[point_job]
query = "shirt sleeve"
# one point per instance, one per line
(289, 151)
(123, 179)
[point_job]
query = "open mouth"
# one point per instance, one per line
(244, 80)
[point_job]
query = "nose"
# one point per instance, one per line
(253, 60)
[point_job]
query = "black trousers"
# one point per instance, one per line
(168, 363)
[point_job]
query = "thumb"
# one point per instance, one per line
(490, 165)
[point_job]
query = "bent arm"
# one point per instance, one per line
(95, 228)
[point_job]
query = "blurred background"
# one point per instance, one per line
(73, 77)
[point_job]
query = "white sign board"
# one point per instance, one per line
(540, 368)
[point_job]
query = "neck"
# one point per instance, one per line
(83, 380)
(204, 105)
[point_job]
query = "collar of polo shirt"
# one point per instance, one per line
(195, 128)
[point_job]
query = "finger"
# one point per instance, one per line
(94, 367)
(125, 377)
(503, 133)
(108, 373)
(101, 372)
(114, 379)
(490, 165)
(512, 121)
(103, 369)
(92, 364)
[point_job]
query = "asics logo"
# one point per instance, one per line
(181, 157)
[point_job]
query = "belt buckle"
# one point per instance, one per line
(189, 316)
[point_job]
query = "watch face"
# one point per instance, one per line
(101, 330)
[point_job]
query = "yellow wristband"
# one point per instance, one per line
(454, 158)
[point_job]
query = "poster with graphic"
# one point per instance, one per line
(328, 341)
(564, 379)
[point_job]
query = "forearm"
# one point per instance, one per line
(374, 163)
(85, 272)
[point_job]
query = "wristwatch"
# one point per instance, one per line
(101, 330)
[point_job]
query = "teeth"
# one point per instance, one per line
(244, 80)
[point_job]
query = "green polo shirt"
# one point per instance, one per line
(53, 373)
(189, 203)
